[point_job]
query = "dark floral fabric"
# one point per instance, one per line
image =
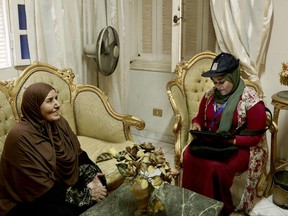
(80, 194)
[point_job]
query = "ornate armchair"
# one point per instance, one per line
(185, 93)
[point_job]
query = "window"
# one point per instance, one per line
(5, 59)
(152, 24)
(21, 52)
(153, 27)
(197, 28)
(13, 34)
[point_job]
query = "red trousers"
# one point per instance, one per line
(214, 178)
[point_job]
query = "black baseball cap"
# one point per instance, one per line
(223, 63)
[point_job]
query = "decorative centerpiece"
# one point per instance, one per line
(284, 74)
(147, 171)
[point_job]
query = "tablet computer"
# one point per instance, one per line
(210, 134)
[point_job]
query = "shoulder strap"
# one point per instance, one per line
(246, 132)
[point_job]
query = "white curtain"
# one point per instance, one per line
(54, 33)
(59, 29)
(116, 85)
(242, 29)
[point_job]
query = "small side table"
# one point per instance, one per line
(280, 102)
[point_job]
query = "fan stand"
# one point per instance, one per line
(106, 50)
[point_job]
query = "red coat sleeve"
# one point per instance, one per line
(256, 120)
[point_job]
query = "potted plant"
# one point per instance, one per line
(284, 74)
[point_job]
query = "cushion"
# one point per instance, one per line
(95, 147)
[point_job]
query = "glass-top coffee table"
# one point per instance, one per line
(177, 201)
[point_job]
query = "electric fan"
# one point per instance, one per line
(105, 51)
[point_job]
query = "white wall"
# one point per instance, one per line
(6, 74)
(148, 91)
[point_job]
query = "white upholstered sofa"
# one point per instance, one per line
(86, 108)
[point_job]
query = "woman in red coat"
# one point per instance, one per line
(224, 109)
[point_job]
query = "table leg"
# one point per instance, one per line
(273, 150)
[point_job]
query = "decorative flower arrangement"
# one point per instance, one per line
(144, 166)
(284, 74)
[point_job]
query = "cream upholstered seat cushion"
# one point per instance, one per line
(184, 93)
(62, 87)
(103, 127)
(94, 147)
(7, 119)
(195, 87)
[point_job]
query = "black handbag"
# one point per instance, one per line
(212, 150)
(219, 148)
